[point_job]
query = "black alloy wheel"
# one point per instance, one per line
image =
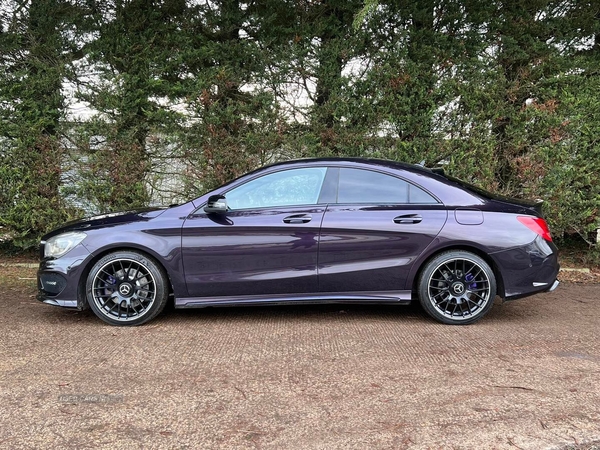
(127, 288)
(457, 287)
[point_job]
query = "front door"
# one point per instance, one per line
(267, 242)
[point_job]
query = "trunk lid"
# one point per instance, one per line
(533, 207)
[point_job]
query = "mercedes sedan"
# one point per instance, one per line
(307, 231)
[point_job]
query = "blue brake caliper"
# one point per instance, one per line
(468, 278)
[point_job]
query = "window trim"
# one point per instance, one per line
(200, 209)
(410, 183)
(332, 182)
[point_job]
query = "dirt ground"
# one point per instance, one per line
(314, 377)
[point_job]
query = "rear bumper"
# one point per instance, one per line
(529, 269)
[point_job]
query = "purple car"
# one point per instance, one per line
(308, 231)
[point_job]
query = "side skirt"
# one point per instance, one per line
(397, 297)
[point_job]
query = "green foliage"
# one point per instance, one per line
(236, 125)
(189, 95)
(32, 107)
(570, 159)
(132, 61)
(31, 205)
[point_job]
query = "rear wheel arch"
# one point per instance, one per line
(468, 248)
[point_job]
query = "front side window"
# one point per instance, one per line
(286, 188)
(367, 186)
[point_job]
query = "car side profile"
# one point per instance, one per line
(322, 230)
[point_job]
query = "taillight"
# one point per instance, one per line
(537, 225)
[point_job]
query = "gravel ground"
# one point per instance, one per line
(314, 377)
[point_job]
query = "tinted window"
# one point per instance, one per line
(418, 195)
(285, 188)
(366, 186)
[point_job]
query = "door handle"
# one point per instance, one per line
(298, 218)
(408, 218)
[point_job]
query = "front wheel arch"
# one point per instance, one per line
(82, 302)
(127, 288)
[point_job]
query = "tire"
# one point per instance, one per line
(457, 287)
(127, 288)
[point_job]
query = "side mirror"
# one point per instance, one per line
(217, 204)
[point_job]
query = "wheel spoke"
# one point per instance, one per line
(482, 298)
(109, 274)
(135, 310)
(437, 303)
(478, 290)
(108, 286)
(146, 290)
(140, 277)
(471, 301)
(440, 280)
(450, 271)
(113, 306)
(115, 271)
(478, 272)
(439, 293)
(462, 309)
(454, 309)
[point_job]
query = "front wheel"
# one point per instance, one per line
(457, 287)
(127, 288)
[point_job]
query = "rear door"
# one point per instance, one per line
(374, 230)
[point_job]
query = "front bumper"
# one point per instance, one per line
(57, 302)
(59, 279)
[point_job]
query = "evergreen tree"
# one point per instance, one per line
(234, 123)
(126, 80)
(33, 62)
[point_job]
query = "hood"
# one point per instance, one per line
(107, 220)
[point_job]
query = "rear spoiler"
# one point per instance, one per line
(535, 205)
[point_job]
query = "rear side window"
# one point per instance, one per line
(367, 186)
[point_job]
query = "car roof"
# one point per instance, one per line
(368, 161)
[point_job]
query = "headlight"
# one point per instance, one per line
(59, 245)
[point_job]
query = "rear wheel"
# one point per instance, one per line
(457, 287)
(127, 288)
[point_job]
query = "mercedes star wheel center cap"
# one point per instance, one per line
(125, 289)
(458, 288)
